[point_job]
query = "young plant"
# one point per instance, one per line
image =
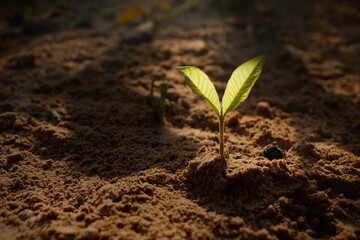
(237, 89)
(158, 104)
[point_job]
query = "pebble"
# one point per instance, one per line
(273, 153)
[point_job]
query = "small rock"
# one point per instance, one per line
(273, 153)
(9, 140)
(26, 214)
(14, 157)
(83, 24)
(263, 109)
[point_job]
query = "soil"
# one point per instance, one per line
(81, 156)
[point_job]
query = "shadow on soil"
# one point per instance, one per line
(113, 132)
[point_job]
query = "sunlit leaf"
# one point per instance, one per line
(200, 84)
(240, 83)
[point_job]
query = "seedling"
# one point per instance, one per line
(237, 89)
(158, 104)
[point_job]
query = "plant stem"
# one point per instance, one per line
(221, 137)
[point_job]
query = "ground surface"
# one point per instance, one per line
(81, 156)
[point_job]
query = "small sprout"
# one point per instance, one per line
(237, 89)
(158, 104)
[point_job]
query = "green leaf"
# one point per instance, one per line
(200, 84)
(240, 83)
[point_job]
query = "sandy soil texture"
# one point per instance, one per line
(81, 156)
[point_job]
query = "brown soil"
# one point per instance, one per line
(81, 156)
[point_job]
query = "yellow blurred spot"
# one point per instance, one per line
(132, 11)
(163, 4)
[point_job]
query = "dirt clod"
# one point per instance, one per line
(273, 153)
(9, 140)
(14, 157)
(263, 109)
(26, 214)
